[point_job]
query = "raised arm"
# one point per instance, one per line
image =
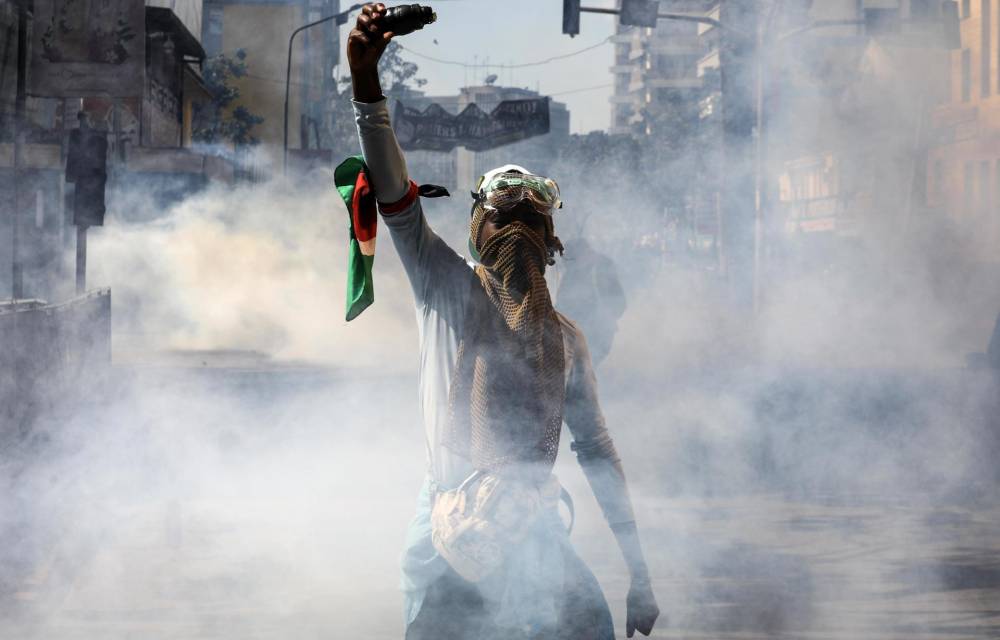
(365, 46)
(596, 453)
(438, 275)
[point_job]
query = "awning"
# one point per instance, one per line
(165, 20)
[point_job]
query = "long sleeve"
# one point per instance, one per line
(438, 275)
(595, 450)
(384, 158)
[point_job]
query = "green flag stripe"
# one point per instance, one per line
(360, 285)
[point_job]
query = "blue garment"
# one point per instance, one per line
(528, 597)
(421, 563)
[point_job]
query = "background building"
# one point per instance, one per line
(850, 89)
(145, 113)
(262, 29)
(963, 172)
(655, 71)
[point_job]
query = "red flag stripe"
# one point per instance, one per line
(363, 210)
(403, 203)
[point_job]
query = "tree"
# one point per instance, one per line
(212, 122)
(396, 75)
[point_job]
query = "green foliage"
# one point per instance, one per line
(212, 124)
(395, 74)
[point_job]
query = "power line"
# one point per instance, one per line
(599, 86)
(522, 65)
(453, 101)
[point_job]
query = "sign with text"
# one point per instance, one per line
(88, 48)
(434, 129)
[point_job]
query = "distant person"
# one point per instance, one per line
(591, 293)
(993, 350)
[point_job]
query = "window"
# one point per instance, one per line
(987, 28)
(969, 178)
(881, 21)
(621, 54)
(966, 8)
(212, 36)
(938, 178)
(966, 75)
(996, 205)
(922, 9)
(984, 187)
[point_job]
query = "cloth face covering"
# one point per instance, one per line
(508, 390)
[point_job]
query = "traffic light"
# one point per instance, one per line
(571, 17)
(639, 13)
(86, 165)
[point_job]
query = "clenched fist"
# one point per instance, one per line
(367, 40)
(641, 610)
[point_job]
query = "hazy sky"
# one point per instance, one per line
(513, 32)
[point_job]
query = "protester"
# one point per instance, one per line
(500, 370)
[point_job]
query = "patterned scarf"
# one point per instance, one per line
(508, 389)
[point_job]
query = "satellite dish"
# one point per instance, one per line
(490, 79)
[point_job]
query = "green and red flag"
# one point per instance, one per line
(351, 178)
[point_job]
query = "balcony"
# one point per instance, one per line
(810, 216)
(680, 45)
(690, 82)
(623, 99)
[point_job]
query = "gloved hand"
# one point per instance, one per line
(641, 609)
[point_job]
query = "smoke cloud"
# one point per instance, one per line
(248, 469)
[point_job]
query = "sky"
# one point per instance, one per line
(481, 32)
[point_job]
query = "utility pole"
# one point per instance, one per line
(81, 259)
(340, 18)
(20, 104)
(738, 65)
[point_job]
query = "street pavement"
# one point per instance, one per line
(250, 502)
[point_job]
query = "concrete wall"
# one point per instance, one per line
(47, 352)
(262, 30)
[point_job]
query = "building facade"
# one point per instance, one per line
(963, 171)
(262, 29)
(850, 88)
(656, 70)
(147, 125)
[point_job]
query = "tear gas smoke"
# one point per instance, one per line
(827, 469)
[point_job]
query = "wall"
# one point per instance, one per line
(263, 32)
(963, 169)
(47, 351)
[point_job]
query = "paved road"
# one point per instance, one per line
(261, 504)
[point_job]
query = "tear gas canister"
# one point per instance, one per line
(407, 18)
